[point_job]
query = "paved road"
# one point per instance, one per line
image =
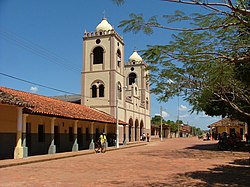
(173, 162)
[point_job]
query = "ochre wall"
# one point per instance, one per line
(8, 119)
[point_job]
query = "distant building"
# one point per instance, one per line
(185, 130)
(156, 131)
(229, 126)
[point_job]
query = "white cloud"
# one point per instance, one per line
(165, 114)
(33, 89)
(183, 107)
(184, 116)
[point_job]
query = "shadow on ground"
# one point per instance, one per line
(225, 175)
(222, 175)
(214, 147)
(210, 147)
(243, 162)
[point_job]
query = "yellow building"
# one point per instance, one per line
(229, 126)
(32, 124)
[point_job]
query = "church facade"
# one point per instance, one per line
(114, 86)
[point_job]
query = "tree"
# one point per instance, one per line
(208, 63)
(173, 126)
(156, 120)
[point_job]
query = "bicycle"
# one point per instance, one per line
(103, 147)
(100, 148)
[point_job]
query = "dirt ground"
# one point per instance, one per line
(173, 162)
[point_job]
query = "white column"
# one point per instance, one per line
(18, 152)
(52, 147)
(25, 148)
(106, 132)
(92, 144)
(75, 145)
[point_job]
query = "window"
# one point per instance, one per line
(41, 133)
(94, 91)
(118, 57)
(71, 135)
(147, 103)
(98, 41)
(98, 55)
(97, 89)
(131, 78)
(101, 90)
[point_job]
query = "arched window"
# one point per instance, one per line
(101, 90)
(119, 90)
(118, 57)
(131, 78)
(94, 91)
(98, 55)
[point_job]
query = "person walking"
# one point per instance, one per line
(148, 137)
(103, 139)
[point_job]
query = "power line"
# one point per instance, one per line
(48, 87)
(36, 49)
(55, 89)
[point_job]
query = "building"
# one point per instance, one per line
(228, 125)
(156, 131)
(113, 86)
(185, 130)
(32, 124)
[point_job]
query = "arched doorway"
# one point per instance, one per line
(141, 128)
(136, 130)
(130, 125)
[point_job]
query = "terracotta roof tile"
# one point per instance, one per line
(227, 122)
(6, 98)
(53, 107)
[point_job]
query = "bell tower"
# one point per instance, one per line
(103, 68)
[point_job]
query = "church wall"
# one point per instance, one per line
(90, 78)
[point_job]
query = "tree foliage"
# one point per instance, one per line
(207, 63)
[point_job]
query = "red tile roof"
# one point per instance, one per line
(6, 98)
(227, 122)
(53, 107)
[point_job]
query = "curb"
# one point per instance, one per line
(57, 156)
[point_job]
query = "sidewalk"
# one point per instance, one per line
(48, 157)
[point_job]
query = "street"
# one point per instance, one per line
(173, 162)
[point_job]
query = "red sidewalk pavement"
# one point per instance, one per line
(173, 162)
(49, 157)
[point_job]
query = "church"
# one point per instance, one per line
(114, 86)
(115, 99)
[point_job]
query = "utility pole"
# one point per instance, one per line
(161, 121)
(117, 120)
(178, 114)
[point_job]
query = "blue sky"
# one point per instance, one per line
(41, 41)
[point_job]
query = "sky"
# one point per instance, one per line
(41, 42)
